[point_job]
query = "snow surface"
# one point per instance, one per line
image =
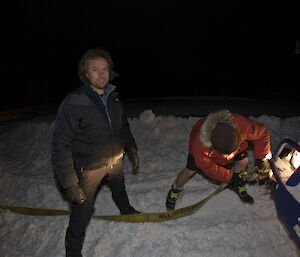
(224, 226)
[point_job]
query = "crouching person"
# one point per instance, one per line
(217, 147)
(91, 135)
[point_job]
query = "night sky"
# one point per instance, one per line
(165, 48)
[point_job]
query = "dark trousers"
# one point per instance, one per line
(81, 214)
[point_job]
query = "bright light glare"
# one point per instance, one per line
(295, 159)
(271, 174)
(269, 156)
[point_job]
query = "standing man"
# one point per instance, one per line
(90, 137)
(217, 147)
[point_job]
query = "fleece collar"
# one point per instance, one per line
(101, 101)
(210, 123)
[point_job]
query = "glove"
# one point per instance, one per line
(236, 179)
(262, 168)
(134, 159)
(76, 195)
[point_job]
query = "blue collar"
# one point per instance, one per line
(101, 101)
(109, 88)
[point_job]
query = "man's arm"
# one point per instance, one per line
(62, 140)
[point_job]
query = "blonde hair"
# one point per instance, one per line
(91, 54)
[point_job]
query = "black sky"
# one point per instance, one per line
(165, 48)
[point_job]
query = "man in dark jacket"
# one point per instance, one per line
(90, 137)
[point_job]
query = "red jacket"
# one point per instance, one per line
(211, 163)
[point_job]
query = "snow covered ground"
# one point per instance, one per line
(224, 226)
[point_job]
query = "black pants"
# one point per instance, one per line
(81, 214)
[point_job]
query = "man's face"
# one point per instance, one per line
(98, 73)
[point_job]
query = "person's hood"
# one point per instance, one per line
(223, 116)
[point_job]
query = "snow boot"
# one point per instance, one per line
(73, 245)
(242, 193)
(172, 197)
(128, 210)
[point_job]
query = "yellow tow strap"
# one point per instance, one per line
(139, 217)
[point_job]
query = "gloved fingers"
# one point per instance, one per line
(243, 175)
(81, 198)
(263, 174)
(135, 163)
(248, 176)
(76, 195)
(257, 173)
(134, 159)
(135, 169)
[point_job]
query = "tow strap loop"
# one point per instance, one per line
(137, 218)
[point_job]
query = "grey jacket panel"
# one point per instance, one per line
(84, 139)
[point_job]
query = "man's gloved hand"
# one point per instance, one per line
(134, 159)
(262, 168)
(75, 194)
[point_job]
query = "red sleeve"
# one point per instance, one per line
(254, 132)
(213, 170)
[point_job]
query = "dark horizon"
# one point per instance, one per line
(173, 48)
